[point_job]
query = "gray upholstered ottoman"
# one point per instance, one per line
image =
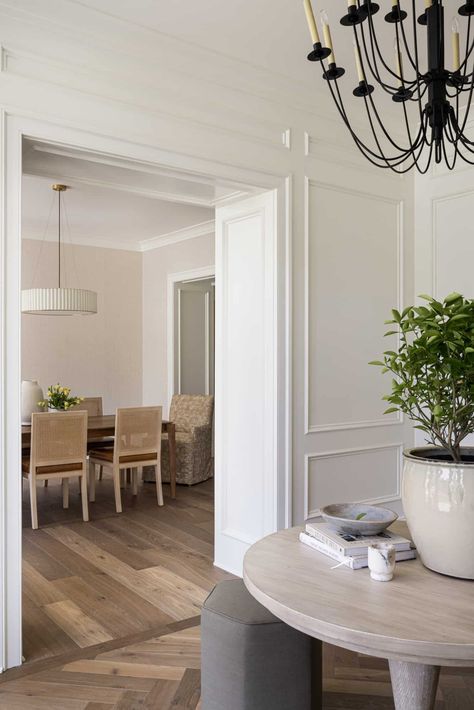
(250, 659)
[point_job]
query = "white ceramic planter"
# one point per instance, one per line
(31, 394)
(438, 500)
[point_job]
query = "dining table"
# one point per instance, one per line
(103, 426)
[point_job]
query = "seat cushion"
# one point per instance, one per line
(232, 600)
(107, 454)
(44, 470)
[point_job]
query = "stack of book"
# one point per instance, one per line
(348, 549)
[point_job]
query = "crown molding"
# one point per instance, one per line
(162, 240)
(180, 235)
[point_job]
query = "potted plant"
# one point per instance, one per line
(433, 385)
(59, 399)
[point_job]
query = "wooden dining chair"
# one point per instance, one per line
(58, 450)
(137, 444)
(95, 408)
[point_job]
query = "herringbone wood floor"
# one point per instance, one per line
(111, 615)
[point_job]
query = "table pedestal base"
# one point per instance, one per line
(414, 685)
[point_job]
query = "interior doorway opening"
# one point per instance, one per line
(111, 152)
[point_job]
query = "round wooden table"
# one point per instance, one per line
(419, 621)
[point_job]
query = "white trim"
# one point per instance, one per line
(348, 452)
(193, 274)
(360, 424)
(179, 235)
(143, 245)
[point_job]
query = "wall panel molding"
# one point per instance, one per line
(354, 452)
(396, 419)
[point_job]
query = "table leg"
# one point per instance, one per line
(316, 674)
(172, 455)
(414, 685)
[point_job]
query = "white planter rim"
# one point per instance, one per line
(422, 455)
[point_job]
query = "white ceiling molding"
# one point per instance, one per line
(162, 240)
(121, 187)
(180, 235)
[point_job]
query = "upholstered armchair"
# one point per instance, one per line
(192, 415)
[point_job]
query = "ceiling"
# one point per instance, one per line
(270, 34)
(112, 202)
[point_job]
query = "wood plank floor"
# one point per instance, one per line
(111, 612)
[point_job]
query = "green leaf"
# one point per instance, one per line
(396, 315)
(390, 410)
(452, 298)
(380, 363)
(361, 516)
(390, 332)
(425, 297)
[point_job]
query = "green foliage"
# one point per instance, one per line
(434, 369)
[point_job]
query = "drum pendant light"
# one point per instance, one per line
(58, 301)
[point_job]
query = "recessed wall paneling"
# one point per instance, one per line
(353, 280)
(453, 245)
(368, 474)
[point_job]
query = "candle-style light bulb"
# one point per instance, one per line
(351, 3)
(455, 43)
(398, 63)
(360, 71)
(327, 36)
(428, 3)
(311, 21)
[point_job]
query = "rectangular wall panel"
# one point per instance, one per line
(354, 265)
(352, 475)
(453, 245)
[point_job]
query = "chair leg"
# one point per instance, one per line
(101, 472)
(118, 495)
(45, 484)
(34, 507)
(159, 487)
(85, 507)
(123, 477)
(91, 482)
(135, 481)
(65, 484)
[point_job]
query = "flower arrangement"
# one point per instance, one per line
(59, 398)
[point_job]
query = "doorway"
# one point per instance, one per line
(253, 214)
(194, 337)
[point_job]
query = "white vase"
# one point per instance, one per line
(31, 394)
(438, 500)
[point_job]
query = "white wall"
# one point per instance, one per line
(98, 355)
(157, 265)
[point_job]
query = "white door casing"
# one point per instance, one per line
(246, 375)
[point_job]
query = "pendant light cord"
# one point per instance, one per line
(59, 237)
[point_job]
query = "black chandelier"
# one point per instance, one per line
(441, 117)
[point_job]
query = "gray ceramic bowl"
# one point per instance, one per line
(343, 518)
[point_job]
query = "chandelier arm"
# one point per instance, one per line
(449, 165)
(372, 64)
(373, 67)
(384, 130)
(461, 137)
(391, 162)
(367, 152)
(468, 108)
(375, 46)
(414, 63)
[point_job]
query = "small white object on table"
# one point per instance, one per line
(419, 621)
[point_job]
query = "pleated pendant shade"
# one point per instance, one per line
(58, 301)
